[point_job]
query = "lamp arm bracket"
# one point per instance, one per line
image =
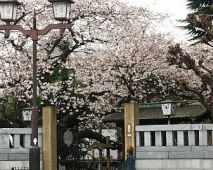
(61, 27)
(34, 33)
(9, 27)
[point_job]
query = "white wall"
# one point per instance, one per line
(174, 164)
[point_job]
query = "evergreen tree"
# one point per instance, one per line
(199, 21)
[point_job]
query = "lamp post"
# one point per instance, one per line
(8, 9)
(168, 108)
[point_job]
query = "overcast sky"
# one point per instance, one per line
(176, 9)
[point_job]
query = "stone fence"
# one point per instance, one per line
(180, 146)
(15, 143)
(14, 147)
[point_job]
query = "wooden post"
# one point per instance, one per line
(49, 138)
(131, 111)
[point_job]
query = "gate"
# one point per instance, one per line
(71, 153)
(68, 148)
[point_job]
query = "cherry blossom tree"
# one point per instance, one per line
(193, 64)
(104, 32)
(193, 74)
(127, 72)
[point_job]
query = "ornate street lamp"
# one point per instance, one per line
(168, 108)
(8, 9)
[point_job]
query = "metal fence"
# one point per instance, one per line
(91, 165)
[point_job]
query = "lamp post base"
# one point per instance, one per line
(34, 158)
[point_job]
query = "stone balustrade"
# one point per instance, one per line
(174, 141)
(15, 143)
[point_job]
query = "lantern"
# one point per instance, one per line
(27, 113)
(168, 108)
(8, 10)
(61, 9)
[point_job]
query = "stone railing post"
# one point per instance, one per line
(49, 138)
(131, 111)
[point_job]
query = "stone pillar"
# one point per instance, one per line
(131, 111)
(49, 138)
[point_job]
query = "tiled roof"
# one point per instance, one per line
(153, 111)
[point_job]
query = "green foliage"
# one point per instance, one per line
(6, 106)
(196, 27)
(2, 109)
(59, 73)
(9, 105)
(199, 5)
(7, 110)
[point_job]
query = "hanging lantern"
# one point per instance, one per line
(8, 10)
(168, 108)
(61, 9)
